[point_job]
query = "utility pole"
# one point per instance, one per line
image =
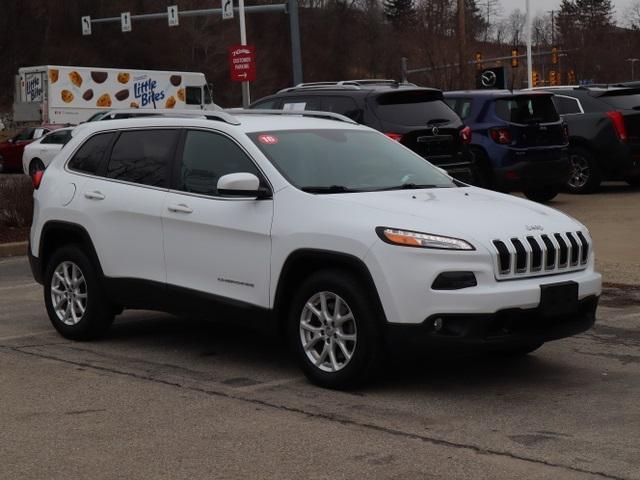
(633, 62)
(529, 57)
(553, 27)
(462, 41)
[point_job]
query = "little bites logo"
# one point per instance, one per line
(242, 63)
(145, 90)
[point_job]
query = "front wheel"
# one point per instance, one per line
(543, 194)
(334, 330)
(521, 350)
(73, 296)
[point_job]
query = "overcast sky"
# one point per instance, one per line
(544, 5)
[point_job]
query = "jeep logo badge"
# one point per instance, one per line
(534, 227)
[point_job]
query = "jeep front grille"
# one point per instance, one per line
(546, 254)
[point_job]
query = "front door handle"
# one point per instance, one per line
(180, 208)
(95, 195)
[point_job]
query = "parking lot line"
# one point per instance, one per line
(24, 285)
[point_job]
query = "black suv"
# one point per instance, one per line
(604, 134)
(414, 116)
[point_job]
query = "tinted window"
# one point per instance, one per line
(26, 134)
(622, 102)
(194, 96)
(462, 106)
(87, 158)
(343, 105)
(566, 105)
(527, 109)
(207, 157)
(267, 104)
(58, 138)
(141, 156)
(414, 108)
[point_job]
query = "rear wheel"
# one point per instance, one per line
(75, 303)
(585, 175)
(543, 194)
(36, 165)
(334, 330)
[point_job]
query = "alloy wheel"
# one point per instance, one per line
(69, 293)
(580, 171)
(328, 331)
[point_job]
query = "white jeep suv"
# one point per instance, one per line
(351, 243)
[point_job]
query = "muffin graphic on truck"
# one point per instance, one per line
(76, 93)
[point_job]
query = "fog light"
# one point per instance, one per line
(438, 323)
(454, 281)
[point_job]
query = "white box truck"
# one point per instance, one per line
(63, 94)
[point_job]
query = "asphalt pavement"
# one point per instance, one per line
(167, 397)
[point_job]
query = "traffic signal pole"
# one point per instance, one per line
(529, 55)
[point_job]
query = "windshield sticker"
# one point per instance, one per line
(268, 139)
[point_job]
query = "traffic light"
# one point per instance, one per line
(534, 78)
(554, 56)
(514, 58)
(553, 78)
(478, 58)
(572, 77)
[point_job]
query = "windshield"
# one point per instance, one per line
(527, 109)
(336, 161)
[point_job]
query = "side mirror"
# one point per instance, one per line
(242, 185)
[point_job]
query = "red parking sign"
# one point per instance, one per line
(242, 63)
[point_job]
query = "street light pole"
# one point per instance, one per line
(529, 56)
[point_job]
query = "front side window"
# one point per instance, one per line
(87, 159)
(57, 138)
(206, 157)
(193, 96)
(141, 156)
(336, 161)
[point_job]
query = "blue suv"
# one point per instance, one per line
(518, 139)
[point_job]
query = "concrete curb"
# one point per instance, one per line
(14, 249)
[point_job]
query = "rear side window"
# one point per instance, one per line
(267, 104)
(87, 158)
(527, 109)
(206, 157)
(302, 103)
(462, 106)
(414, 108)
(567, 105)
(141, 156)
(343, 105)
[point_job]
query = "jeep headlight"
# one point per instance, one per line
(407, 238)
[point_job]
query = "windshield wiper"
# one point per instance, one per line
(329, 189)
(411, 186)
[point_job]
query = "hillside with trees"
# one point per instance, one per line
(341, 39)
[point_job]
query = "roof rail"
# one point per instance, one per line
(303, 113)
(344, 84)
(169, 112)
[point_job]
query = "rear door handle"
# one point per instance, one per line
(180, 208)
(95, 195)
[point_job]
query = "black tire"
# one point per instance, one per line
(35, 166)
(368, 350)
(633, 181)
(520, 351)
(585, 174)
(98, 314)
(543, 194)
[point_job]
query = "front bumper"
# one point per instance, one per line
(505, 328)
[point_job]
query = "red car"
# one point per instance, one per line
(11, 150)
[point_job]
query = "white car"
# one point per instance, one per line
(39, 153)
(350, 243)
